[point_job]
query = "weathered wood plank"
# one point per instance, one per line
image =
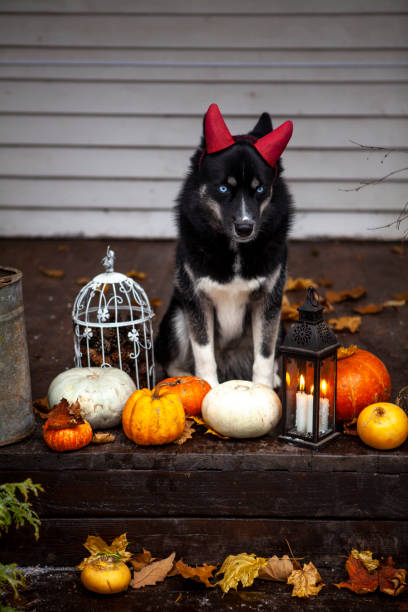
(272, 31)
(200, 540)
(287, 99)
(162, 493)
(159, 224)
(196, 6)
(178, 131)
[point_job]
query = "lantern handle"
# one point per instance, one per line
(313, 296)
(108, 260)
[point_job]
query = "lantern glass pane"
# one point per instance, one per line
(299, 396)
(327, 395)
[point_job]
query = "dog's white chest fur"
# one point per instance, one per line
(229, 300)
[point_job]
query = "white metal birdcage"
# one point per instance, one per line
(112, 320)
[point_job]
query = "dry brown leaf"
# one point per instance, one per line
(294, 284)
(360, 580)
(142, 559)
(52, 272)
(277, 569)
(153, 573)
(306, 581)
(156, 303)
(398, 250)
(369, 309)
(325, 282)
(97, 547)
(201, 421)
(401, 296)
(347, 294)
(351, 324)
(137, 275)
(64, 415)
(102, 437)
(394, 303)
(41, 406)
(199, 573)
(83, 280)
(186, 434)
(391, 580)
(327, 306)
(290, 312)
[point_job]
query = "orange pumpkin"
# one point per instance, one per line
(190, 389)
(153, 417)
(362, 379)
(65, 428)
(69, 438)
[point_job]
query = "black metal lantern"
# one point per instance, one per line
(309, 367)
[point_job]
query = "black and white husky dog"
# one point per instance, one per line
(234, 212)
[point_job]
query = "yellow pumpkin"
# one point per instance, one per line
(106, 575)
(383, 426)
(153, 417)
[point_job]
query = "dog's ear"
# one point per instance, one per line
(263, 127)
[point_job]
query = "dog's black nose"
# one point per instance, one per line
(243, 230)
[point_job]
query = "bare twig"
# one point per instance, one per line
(376, 181)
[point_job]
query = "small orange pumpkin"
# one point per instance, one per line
(65, 428)
(190, 389)
(362, 379)
(153, 417)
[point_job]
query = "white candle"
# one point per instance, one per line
(310, 413)
(324, 408)
(301, 407)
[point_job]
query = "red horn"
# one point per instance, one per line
(271, 146)
(217, 135)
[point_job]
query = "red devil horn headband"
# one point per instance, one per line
(218, 137)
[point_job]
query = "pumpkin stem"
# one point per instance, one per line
(165, 384)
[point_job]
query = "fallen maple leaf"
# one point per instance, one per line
(351, 324)
(41, 406)
(306, 581)
(142, 559)
(394, 303)
(401, 296)
(199, 573)
(366, 557)
(64, 415)
(277, 569)
(389, 579)
(289, 312)
(347, 294)
(134, 274)
(98, 547)
(52, 273)
(346, 351)
(156, 302)
(369, 309)
(201, 421)
(324, 282)
(186, 434)
(83, 280)
(242, 568)
(102, 437)
(153, 573)
(294, 284)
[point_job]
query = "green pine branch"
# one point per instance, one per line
(15, 507)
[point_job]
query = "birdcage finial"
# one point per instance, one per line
(108, 260)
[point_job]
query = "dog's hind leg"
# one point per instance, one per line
(172, 345)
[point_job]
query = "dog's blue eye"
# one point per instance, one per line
(223, 188)
(260, 189)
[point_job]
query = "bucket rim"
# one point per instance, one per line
(13, 277)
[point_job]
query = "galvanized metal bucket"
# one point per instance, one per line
(16, 413)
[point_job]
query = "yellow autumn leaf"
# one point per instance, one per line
(242, 568)
(98, 547)
(306, 581)
(366, 557)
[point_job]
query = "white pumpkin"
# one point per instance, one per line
(101, 392)
(241, 409)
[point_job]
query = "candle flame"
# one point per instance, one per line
(302, 383)
(324, 387)
(288, 379)
(312, 389)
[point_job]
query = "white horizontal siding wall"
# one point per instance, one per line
(101, 105)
